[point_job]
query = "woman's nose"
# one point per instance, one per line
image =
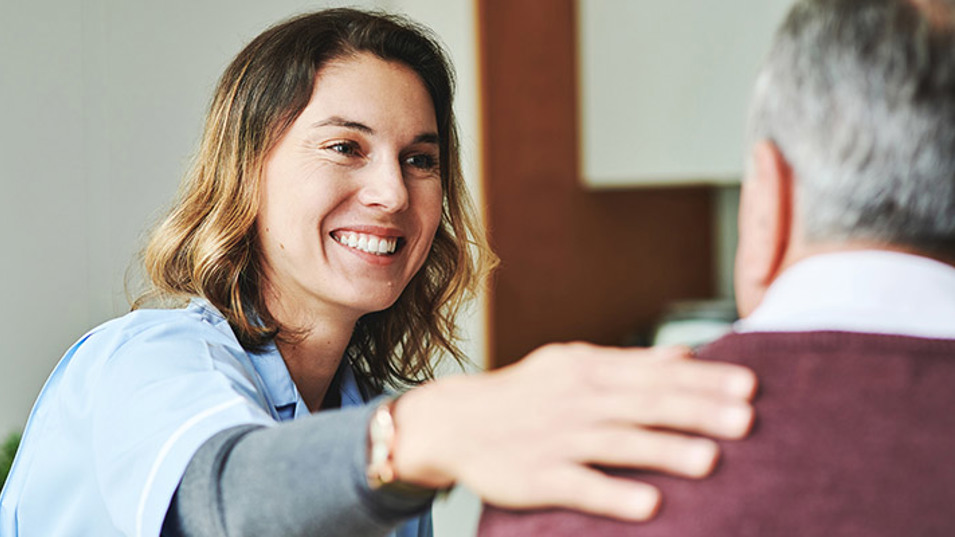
(384, 187)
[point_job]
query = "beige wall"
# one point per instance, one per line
(101, 103)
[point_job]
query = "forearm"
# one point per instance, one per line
(300, 478)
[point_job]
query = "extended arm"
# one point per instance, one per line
(523, 437)
(301, 478)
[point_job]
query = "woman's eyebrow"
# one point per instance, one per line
(427, 138)
(337, 121)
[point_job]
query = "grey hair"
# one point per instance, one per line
(859, 97)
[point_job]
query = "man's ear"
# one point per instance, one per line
(765, 224)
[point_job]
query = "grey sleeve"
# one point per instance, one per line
(305, 477)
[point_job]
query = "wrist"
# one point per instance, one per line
(423, 454)
(379, 470)
(382, 472)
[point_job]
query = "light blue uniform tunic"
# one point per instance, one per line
(123, 413)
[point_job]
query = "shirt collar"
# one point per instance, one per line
(287, 402)
(872, 291)
(351, 394)
(278, 381)
(284, 394)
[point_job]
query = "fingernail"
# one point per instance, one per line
(644, 501)
(736, 419)
(742, 384)
(701, 457)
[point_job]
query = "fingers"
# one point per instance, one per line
(527, 435)
(651, 368)
(579, 487)
(666, 452)
(676, 410)
(588, 490)
(657, 387)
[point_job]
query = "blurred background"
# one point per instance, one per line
(603, 138)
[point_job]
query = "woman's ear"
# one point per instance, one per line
(765, 224)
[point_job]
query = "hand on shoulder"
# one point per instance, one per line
(528, 435)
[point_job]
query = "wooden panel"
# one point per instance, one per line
(576, 265)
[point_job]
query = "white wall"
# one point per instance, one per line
(664, 87)
(101, 104)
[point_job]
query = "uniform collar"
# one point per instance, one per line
(282, 392)
(283, 395)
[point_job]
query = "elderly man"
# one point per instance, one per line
(846, 285)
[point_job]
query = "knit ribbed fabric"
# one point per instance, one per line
(855, 436)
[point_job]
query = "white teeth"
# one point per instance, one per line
(368, 243)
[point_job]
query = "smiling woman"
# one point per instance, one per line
(319, 252)
(293, 101)
(351, 200)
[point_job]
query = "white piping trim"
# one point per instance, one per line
(164, 451)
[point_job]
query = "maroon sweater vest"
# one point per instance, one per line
(855, 436)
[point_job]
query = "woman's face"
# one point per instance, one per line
(351, 194)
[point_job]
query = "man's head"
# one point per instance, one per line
(852, 131)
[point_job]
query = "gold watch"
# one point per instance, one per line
(380, 470)
(381, 443)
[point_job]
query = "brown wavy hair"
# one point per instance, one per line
(207, 244)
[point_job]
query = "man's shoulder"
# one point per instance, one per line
(764, 346)
(792, 365)
(843, 420)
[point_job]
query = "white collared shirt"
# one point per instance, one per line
(871, 291)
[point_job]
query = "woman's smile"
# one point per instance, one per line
(371, 244)
(360, 166)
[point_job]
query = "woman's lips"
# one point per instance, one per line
(368, 242)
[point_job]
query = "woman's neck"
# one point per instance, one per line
(313, 349)
(312, 363)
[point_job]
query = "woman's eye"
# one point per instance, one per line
(422, 161)
(343, 148)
